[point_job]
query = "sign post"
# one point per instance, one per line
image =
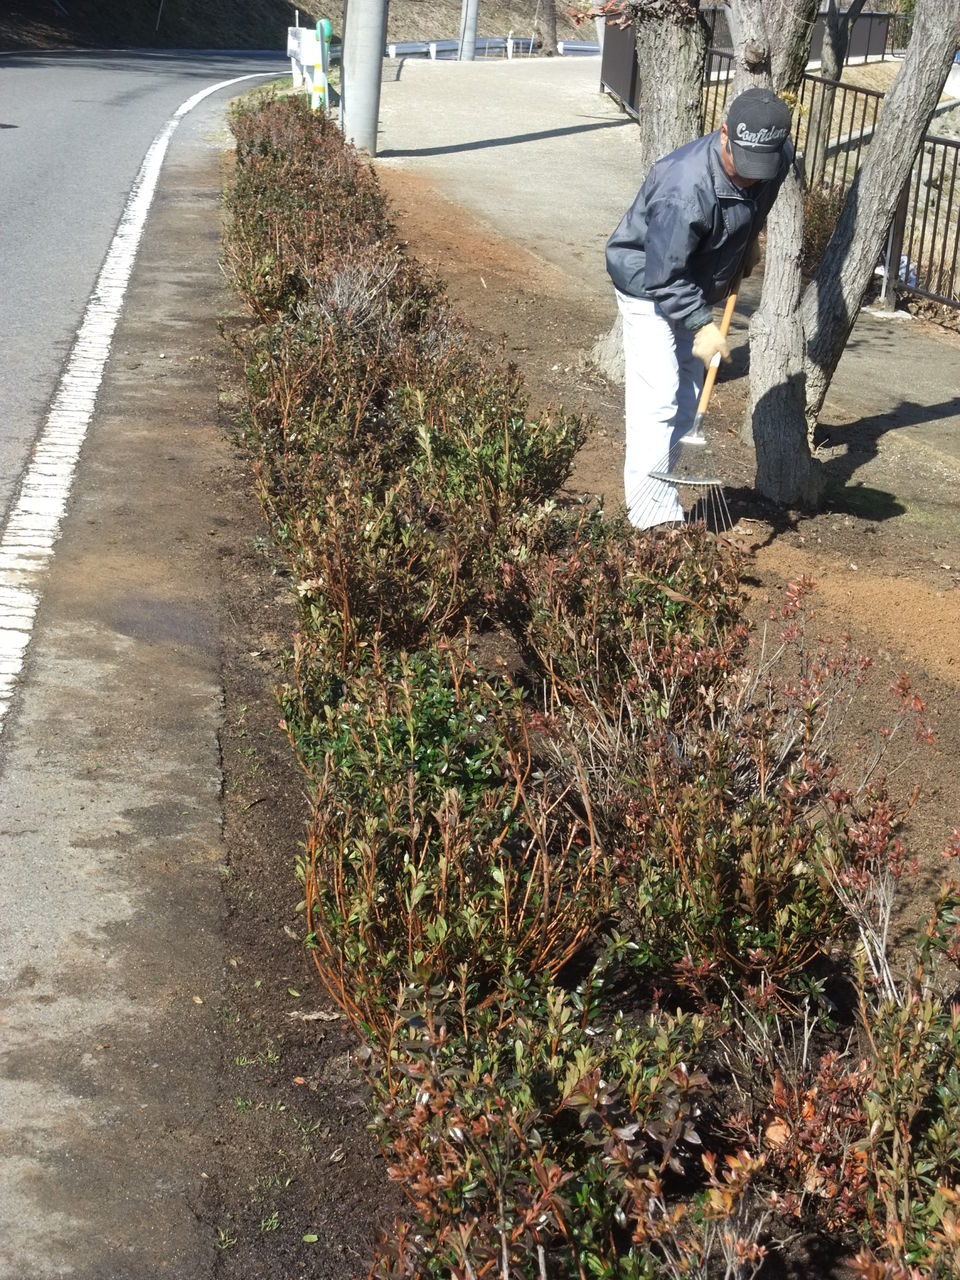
(309, 54)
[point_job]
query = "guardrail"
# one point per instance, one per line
(509, 46)
(309, 51)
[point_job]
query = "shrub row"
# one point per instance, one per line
(582, 867)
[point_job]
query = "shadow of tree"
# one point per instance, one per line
(861, 443)
(484, 143)
(746, 504)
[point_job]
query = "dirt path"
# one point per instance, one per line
(885, 551)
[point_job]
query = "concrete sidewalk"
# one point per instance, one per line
(532, 148)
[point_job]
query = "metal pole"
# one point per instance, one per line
(468, 42)
(364, 36)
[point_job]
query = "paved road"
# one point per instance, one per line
(110, 822)
(74, 129)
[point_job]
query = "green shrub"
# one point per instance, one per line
(300, 198)
(528, 1141)
(655, 803)
(438, 840)
(596, 600)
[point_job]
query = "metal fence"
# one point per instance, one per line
(923, 248)
(717, 79)
(509, 46)
(872, 35)
(833, 128)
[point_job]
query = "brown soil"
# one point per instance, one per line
(300, 1187)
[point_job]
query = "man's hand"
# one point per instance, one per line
(750, 258)
(707, 342)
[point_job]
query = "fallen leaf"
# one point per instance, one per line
(776, 1132)
(337, 1154)
(197, 1000)
(319, 1015)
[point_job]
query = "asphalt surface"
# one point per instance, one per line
(74, 129)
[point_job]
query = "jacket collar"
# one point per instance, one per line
(723, 184)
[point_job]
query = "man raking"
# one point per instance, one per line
(689, 235)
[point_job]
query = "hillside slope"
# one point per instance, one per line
(236, 24)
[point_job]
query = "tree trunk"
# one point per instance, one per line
(836, 38)
(786, 472)
(546, 29)
(774, 57)
(832, 300)
(671, 55)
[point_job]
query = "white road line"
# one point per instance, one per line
(27, 542)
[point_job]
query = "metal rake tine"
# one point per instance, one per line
(715, 500)
(727, 518)
(649, 483)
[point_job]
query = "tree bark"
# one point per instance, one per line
(547, 29)
(671, 55)
(833, 298)
(786, 472)
(784, 31)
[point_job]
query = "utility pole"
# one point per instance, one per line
(468, 31)
(364, 38)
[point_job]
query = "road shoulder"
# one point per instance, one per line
(110, 810)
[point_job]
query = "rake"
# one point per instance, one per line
(689, 463)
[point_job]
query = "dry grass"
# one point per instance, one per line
(878, 76)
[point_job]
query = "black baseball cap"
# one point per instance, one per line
(758, 125)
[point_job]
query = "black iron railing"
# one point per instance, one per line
(923, 248)
(832, 129)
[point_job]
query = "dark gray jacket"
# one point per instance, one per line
(683, 240)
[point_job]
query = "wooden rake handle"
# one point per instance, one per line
(715, 362)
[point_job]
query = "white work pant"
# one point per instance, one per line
(663, 381)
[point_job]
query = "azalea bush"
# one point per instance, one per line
(438, 843)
